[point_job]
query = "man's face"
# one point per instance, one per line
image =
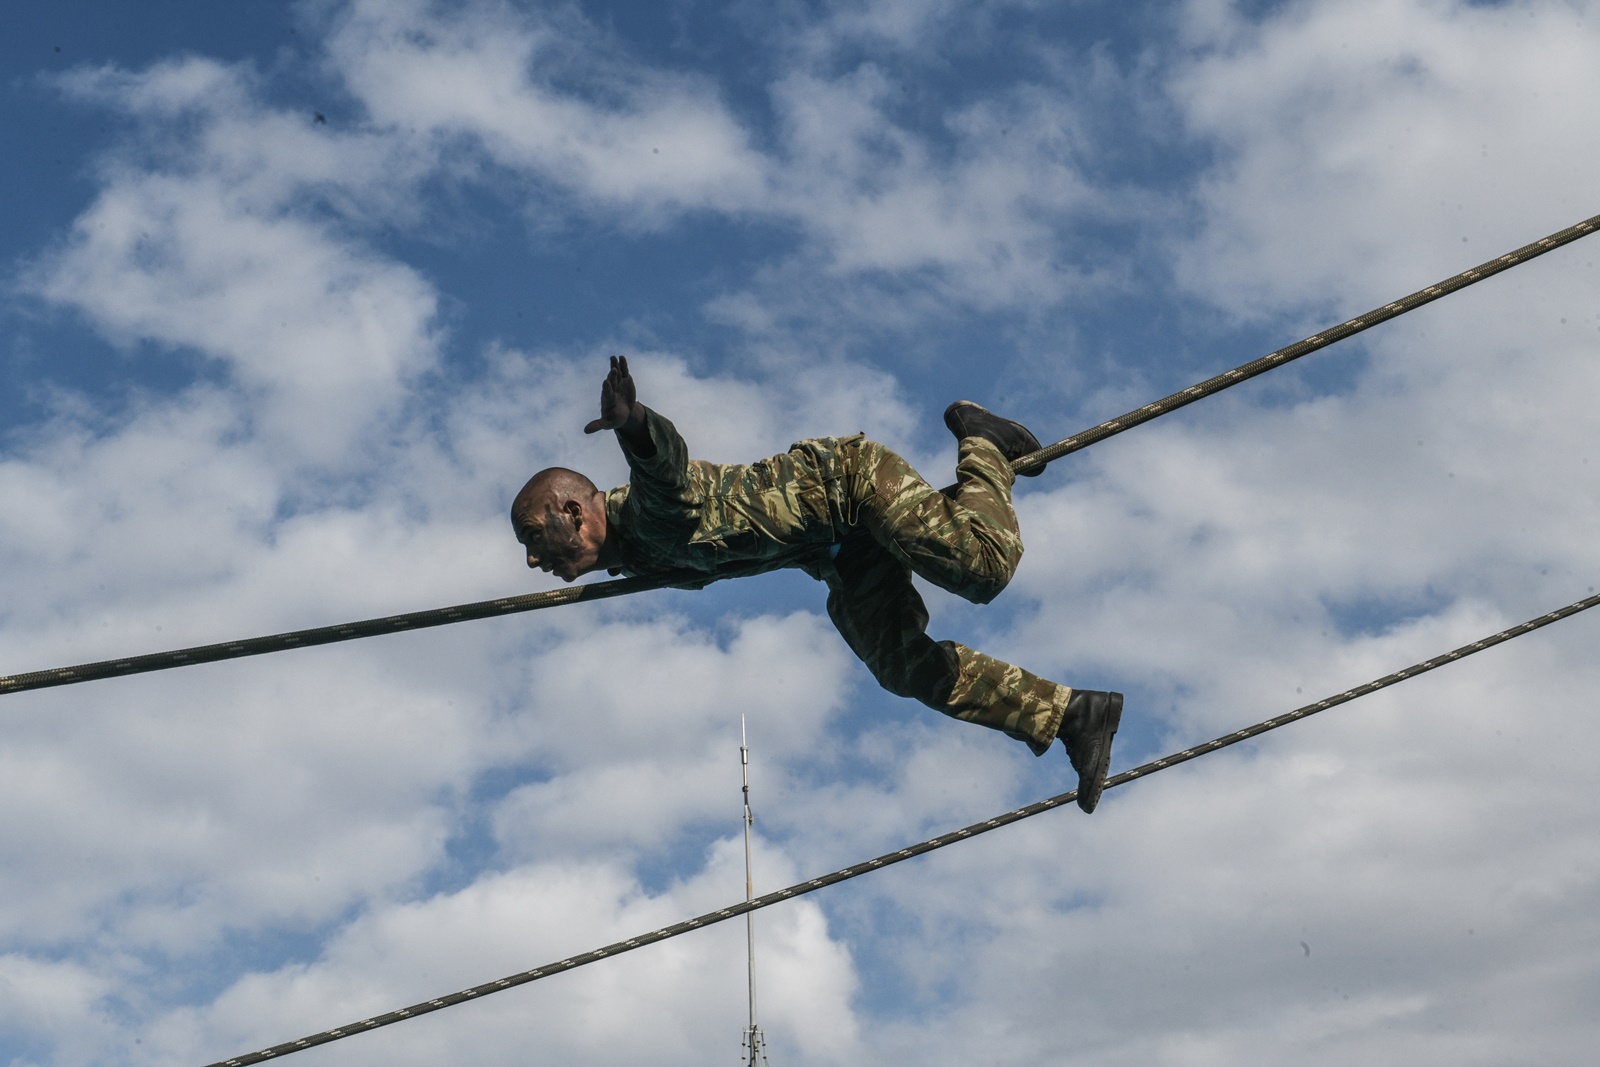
(555, 540)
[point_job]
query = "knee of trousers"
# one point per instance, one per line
(988, 573)
(984, 589)
(928, 675)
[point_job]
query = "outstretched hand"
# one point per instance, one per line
(617, 398)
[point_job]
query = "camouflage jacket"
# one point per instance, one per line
(718, 519)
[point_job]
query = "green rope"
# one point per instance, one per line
(812, 885)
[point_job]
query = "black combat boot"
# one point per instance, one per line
(1013, 439)
(1086, 731)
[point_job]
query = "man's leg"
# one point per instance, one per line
(967, 543)
(882, 617)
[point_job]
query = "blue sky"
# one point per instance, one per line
(263, 372)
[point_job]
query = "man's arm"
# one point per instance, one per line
(659, 492)
(621, 411)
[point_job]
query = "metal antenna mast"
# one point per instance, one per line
(754, 1043)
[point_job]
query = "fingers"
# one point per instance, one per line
(617, 385)
(619, 371)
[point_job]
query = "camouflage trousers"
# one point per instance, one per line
(967, 543)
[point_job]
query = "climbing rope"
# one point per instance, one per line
(323, 635)
(811, 886)
(1273, 360)
(255, 646)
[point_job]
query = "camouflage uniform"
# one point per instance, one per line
(854, 514)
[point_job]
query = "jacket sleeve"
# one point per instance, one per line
(661, 494)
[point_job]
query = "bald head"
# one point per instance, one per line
(560, 518)
(557, 484)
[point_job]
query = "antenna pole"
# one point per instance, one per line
(755, 1053)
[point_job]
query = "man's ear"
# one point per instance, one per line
(574, 511)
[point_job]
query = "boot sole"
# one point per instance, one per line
(1089, 797)
(951, 420)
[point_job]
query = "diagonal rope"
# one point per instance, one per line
(417, 620)
(1289, 353)
(802, 888)
(323, 635)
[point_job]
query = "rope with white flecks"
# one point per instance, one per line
(1273, 360)
(417, 620)
(802, 888)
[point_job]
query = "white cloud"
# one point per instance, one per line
(276, 796)
(1244, 559)
(905, 22)
(1452, 132)
(638, 723)
(647, 140)
(915, 29)
(549, 96)
(879, 198)
(1429, 846)
(669, 1002)
(212, 242)
(327, 334)
(42, 996)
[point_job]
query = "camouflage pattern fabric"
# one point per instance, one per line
(856, 515)
(968, 545)
(678, 513)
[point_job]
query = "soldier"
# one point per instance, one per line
(850, 512)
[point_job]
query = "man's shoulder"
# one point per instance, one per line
(697, 473)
